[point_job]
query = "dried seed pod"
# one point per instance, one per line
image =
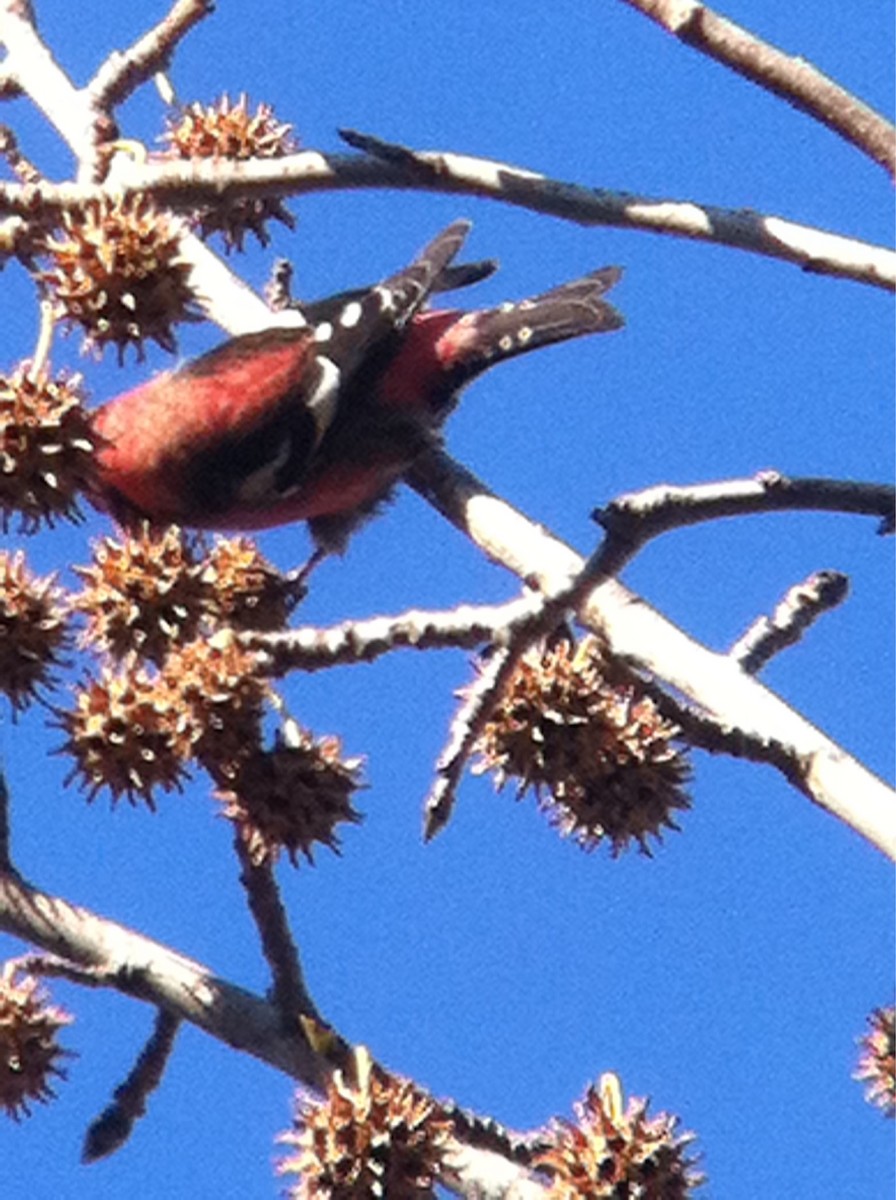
(246, 591)
(374, 1135)
(46, 448)
(142, 594)
(228, 130)
(29, 1052)
(216, 688)
(33, 630)
(877, 1064)
(594, 749)
(125, 734)
(292, 797)
(116, 270)
(618, 1153)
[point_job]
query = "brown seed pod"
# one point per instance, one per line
(116, 270)
(29, 1052)
(214, 685)
(594, 749)
(374, 1135)
(46, 448)
(126, 735)
(244, 590)
(877, 1064)
(292, 797)
(228, 130)
(616, 1152)
(33, 630)
(142, 594)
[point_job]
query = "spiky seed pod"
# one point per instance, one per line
(215, 686)
(33, 630)
(125, 734)
(292, 797)
(46, 448)
(116, 270)
(29, 1052)
(618, 1153)
(596, 751)
(877, 1064)
(141, 595)
(228, 130)
(246, 591)
(375, 1135)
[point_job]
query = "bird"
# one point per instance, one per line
(319, 422)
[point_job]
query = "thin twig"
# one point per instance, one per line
(123, 72)
(466, 726)
(288, 992)
(5, 846)
(114, 1125)
(653, 646)
(801, 607)
(50, 966)
(638, 516)
(788, 76)
(363, 641)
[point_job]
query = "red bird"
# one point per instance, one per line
(319, 422)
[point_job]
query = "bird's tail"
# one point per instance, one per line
(477, 340)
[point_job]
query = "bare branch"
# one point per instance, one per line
(651, 645)
(630, 522)
(184, 185)
(38, 74)
(801, 607)
(137, 966)
(114, 1125)
(788, 76)
(289, 992)
(638, 516)
(466, 726)
(122, 73)
(5, 847)
(313, 649)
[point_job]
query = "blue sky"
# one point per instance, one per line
(726, 978)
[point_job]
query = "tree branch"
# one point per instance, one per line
(151, 972)
(650, 644)
(639, 516)
(123, 73)
(184, 185)
(801, 607)
(788, 76)
(114, 1125)
(313, 649)
(289, 992)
